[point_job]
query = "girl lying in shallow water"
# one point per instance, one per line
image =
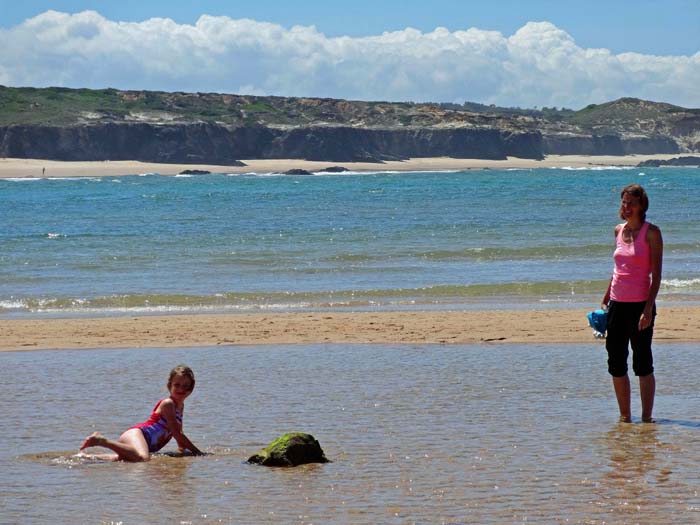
(140, 441)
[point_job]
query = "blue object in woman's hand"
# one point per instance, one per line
(598, 320)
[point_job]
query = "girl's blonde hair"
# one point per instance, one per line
(181, 370)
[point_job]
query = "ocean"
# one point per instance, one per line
(225, 243)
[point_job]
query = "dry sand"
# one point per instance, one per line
(23, 168)
(674, 323)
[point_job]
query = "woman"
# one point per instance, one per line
(630, 301)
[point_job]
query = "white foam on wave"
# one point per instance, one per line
(92, 179)
(680, 283)
(22, 179)
(593, 168)
(11, 304)
(263, 174)
(160, 309)
(381, 172)
(341, 173)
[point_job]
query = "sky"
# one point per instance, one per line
(526, 53)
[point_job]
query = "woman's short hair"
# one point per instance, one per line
(635, 190)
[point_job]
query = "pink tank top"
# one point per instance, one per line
(632, 275)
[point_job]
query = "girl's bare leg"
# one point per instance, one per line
(131, 445)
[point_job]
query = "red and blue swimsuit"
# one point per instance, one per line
(155, 430)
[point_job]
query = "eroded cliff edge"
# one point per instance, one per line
(216, 144)
(68, 124)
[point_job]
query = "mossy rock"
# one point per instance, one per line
(290, 450)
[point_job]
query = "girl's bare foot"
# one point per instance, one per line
(93, 440)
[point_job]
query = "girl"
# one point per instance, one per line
(140, 441)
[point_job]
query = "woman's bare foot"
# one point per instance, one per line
(625, 419)
(93, 440)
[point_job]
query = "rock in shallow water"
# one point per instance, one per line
(290, 450)
(194, 172)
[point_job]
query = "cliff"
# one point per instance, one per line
(215, 144)
(70, 124)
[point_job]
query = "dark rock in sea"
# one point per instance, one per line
(676, 161)
(290, 450)
(194, 172)
(334, 169)
(297, 171)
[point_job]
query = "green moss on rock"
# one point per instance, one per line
(289, 450)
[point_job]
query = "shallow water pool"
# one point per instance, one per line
(419, 433)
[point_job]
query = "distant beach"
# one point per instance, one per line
(10, 168)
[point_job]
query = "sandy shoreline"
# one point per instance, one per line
(37, 168)
(674, 324)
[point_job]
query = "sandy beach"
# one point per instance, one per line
(673, 324)
(22, 168)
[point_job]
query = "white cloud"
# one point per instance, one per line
(540, 65)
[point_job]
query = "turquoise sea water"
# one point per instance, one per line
(484, 238)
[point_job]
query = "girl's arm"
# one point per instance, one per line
(183, 442)
(656, 249)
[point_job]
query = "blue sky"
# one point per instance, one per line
(489, 51)
(645, 26)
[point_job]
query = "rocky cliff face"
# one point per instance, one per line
(205, 128)
(570, 144)
(214, 144)
(198, 143)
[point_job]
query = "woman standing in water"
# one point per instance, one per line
(630, 301)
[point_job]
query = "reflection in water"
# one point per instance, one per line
(167, 479)
(633, 453)
(637, 466)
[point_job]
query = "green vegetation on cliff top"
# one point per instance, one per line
(67, 107)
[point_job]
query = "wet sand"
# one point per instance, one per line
(673, 324)
(25, 168)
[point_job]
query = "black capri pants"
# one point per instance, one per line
(623, 329)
